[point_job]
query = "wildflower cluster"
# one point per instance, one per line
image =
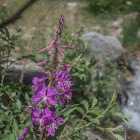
(58, 89)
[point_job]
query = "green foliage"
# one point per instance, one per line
(107, 79)
(85, 114)
(11, 113)
(89, 119)
(81, 61)
(7, 44)
(113, 6)
(3, 13)
(130, 37)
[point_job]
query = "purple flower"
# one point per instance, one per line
(39, 84)
(47, 96)
(23, 135)
(62, 79)
(39, 117)
(47, 120)
(54, 122)
(66, 95)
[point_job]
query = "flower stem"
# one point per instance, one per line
(54, 65)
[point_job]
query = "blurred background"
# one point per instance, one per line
(105, 35)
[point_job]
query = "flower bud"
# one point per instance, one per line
(60, 51)
(41, 71)
(42, 50)
(69, 47)
(40, 63)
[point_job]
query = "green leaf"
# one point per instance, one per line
(69, 111)
(96, 121)
(18, 104)
(15, 129)
(123, 117)
(76, 120)
(94, 102)
(93, 120)
(13, 94)
(116, 129)
(7, 32)
(15, 126)
(65, 109)
(80, 110)
(26, 96)
(2, 118)
(118, 137)
(112, 103)
(12, 137)
(96, 111)
(27, 99)
(66, 119)
(85, 103)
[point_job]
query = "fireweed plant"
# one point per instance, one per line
(58, 90)
(47, 121)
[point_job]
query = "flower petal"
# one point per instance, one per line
(37, 97)
(52, 100)
(59, 121)
(51, 91)
(25, 131)
(22, 137)
(35, 80)
(51, 131)
(47, 112)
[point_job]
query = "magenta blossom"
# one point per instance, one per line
(66, 95)
(23, 135)
(39, 117)
(39, 84)
(47, 120)
(53, 124)
(62, 79)
(47, 96)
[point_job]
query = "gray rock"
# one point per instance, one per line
(104, 46)
(31, 70)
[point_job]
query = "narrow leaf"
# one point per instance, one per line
(85, 103)
(118, 137)
(18, 104)
(80, 110)
(94, 102)
(116, 129)
(93, 120)
(69, 111)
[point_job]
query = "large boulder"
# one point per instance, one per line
(31, 70)
(104, 46)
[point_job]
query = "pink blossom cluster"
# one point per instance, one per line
(57, 91)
